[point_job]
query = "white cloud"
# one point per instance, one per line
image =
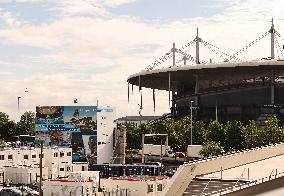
(9, 19)
(112, 48)
(81, 7)
(117, 2)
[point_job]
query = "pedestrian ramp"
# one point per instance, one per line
(180, 182)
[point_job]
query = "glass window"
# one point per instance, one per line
(33, 156)
(62, 169)
(26, 156)
(159, 187)
(61, 154)
(55, 154)
(69, 154)
(10, 156)
(40, 155)
(150, 188)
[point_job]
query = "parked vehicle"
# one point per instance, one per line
(179, 155)
(193, 151)
(28, 191)
(10, 192)
(155, 150)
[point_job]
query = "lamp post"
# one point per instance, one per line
(191, 122)
(19, 104)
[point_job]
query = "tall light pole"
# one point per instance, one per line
(19, 104)
(191, 122)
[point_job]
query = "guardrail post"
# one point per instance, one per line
(221, 173)
(248, 173)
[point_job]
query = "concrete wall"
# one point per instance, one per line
(187, 172)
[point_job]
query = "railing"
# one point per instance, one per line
(206, 186)
(245, 185)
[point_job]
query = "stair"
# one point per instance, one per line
(197, 186)
(262, 118)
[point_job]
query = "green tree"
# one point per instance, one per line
(4, 118)
(26, 125)
(271, 132)
(211, 148)
(216, 133)
(199, 133)
(8, 130)
(250, 133)
(133, 137)
(235, 138)
(7, 127)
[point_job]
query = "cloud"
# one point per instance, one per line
(9, 19)
(81, 7)
(117, 2)
(91, 52)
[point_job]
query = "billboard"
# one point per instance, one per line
(74, 126)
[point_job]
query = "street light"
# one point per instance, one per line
(191, 122)
(19, 104)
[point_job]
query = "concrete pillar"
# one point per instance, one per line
(272, 87)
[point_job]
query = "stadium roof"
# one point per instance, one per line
(159, 78)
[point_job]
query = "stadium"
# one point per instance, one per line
(225, 91)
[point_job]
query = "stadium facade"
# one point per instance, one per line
(230, 90)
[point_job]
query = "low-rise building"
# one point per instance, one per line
(58, 161)
(24, 174)
(135, 185)
(78, 184)
(137, 120)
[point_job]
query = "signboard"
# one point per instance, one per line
(67, 126)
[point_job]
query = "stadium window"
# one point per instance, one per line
(61, 154)
(55, 154)
(10, 156)
(26, 156)
(1, 157)
(159, 187)
(150, 188)
(69, 154)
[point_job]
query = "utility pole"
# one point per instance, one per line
(40, 169)
(191, 122)
(161, 158)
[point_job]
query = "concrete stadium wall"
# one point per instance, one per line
(187, 172)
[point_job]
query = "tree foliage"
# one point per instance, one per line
(9, 128)
(211, 148)
(214, 136)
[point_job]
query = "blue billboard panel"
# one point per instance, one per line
(66, 118)
(69, 126)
